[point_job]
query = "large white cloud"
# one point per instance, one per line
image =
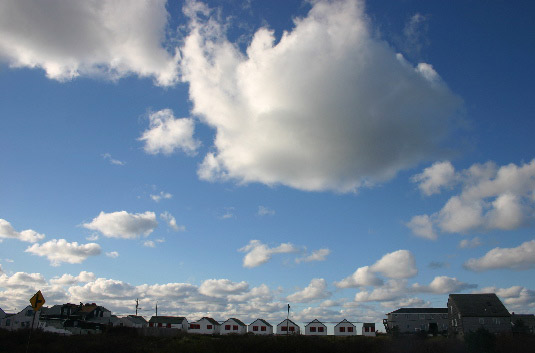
(492, 197)
(167, 134)
(520, 258)
(258, 253)
(123, 224)
(356, 113)
(398, 264)
(8, 232)
(109, 38)
(362, 277)
(59, 250)
(222, 287)
(317, 289)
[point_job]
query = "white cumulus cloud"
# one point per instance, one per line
(59, 250)
(67, 279)
(258, 253)
(357, 113)
(432, 179)
(167, 134)
(443, 285)
(362, 277)
(222, 287)
(316, 255)
(103, 38)
(8, 232)
(397, 265)
(317, 289)
(520, 258)
(171, 222)
(123, 224)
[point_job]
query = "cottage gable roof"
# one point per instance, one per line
(420, 311)
(263, 321)
(210, 320)
(344, 321)
(137, 319)
(479, 305)
(315, 321)
(239, 322)
(167, 319)
(290, 321)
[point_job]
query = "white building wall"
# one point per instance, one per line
(22, 319)
(346, 329)
(241, 330)
(317, 331)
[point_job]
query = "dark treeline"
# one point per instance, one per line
(120, 340)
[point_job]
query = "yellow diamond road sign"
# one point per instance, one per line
(37, 301)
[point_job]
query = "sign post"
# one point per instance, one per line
(37, 302)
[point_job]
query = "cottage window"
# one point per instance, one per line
(312, 329)
(366, 329)
(208, 327)
(168, 326)
(292, 328)
(263, 328)
(284, 328)
(227, 327)
(255, 328)
(350, 329)
(342, 329)
(320, 329)
(234, 327)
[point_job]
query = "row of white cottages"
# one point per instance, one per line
(209, 326)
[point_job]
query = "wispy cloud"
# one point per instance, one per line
(110, 159)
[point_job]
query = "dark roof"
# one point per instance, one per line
(139, 319)
(479, 305)
(167, 319)
(528, 319)
(420, 311)
(264, 321)
(368, 324)
(344, 321)
(289, 321)
(315, 321)
(237, 320)
(212, 321)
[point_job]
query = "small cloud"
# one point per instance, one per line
(229, 213)
(123, 224)
(437, 265)
(9, 260)
(317, 255)
(112, 254)
(160, 196)
(258, 253)
(149, 244)
(317, 289)
(171, 222)
(28, 235)
(264, 211)
(470, 243)
(113, 161)
(92, 237)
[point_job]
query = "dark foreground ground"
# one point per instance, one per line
(127, 340)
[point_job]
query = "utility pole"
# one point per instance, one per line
(156, 309)
(137, 305)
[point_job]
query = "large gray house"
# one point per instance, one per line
(469, 312)
(413, 320)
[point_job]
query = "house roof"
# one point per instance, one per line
(479, 305)
(290, 321)
(368, 324)
(263, 321)
(167, 319)
(209, 319)
(239, 322)
(420, 311)
(344, 321)
(528, 319)
(315, 321)
(137, 319)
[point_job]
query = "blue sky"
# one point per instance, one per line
(226, 158)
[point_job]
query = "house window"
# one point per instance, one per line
(234, 327)
(350, 329)
(255, 328)
(366, 329)
(168, 326)
(263, 328)
(292, 328)
(320, 329)
(208, 327)
(284, 328)
(227, 327)
(312, 329)
(482, 321)
(343, 329)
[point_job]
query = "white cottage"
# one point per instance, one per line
(233, 326)
(345, 328)
(177, 322)
(368, 329)
(23, 319)
(287, 326)
(206, 325)
(315, 328)
(260, 327)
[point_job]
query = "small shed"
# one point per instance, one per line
(315, 328)
(345, 328)
(260, 327)
(368, 329)
(233, 326)
(287, 326)
(206, 325)
(177, 322)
